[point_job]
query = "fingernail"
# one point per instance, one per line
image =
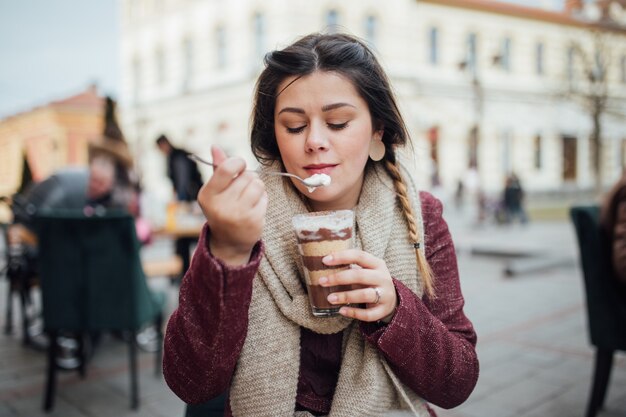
(323, 280)
(332, 298)
(328, 258)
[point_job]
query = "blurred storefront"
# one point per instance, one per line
(486, 87)
(35, 143)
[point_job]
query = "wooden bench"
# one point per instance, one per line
(171, 267)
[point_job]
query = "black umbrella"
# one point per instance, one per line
(66, 189)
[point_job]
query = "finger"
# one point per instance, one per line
(238, 185)
(218, 155)
(366, 277)
(363, 314)
(260, 208)
(229, 170)
(252, 193)
(366, 295)
(353, 256)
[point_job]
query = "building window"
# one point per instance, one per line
(159, 61)
(507, 144)
(570, 158)
(570, 64)
(187, 63)
(136, 71)
(537, 147)
(259, 36)
(472, 53)
(433, 138)
(505, 55)
(220, 47)
(539, 58)
(332, 21)
(599, 72)
(371, 29)
(473, 147)
(433, 41)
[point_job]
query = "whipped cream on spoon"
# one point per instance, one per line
(311, 183)
(316, 180)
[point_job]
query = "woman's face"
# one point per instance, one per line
(323, 126)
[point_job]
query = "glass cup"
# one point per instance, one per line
(320, 234)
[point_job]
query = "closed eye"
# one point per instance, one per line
(295, 130)
(337, 126)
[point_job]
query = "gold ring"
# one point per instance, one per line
(377, 295)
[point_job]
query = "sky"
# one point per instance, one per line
(51, 49)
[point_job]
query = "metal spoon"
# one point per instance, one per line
(312, 182)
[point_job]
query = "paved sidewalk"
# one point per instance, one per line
(534, 353)
(533, 345)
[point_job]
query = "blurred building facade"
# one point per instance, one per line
(486, 88)
(55, 135)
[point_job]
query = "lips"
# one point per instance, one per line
(319, 168)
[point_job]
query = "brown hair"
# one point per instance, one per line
(350, 57)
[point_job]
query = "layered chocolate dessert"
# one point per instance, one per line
(320, 234)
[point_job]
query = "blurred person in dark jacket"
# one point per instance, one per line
(514, 200)
(613, 223)
(186, 180)
(182, 171)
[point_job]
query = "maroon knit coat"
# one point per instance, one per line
(429, 343)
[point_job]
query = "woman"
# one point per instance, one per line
(322, 105)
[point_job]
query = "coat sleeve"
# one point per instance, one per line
(430, 343)
(205, 334)
(618, 243)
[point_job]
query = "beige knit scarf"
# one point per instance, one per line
(266, 377)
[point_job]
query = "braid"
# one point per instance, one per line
(403, 196)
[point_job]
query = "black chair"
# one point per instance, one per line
(606, 301)
(66, 189)
(92, 281)
(215, 407)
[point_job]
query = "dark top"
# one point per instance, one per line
(613, 223)
(184, 174)
(429, 343)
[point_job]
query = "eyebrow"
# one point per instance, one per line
(325, 108)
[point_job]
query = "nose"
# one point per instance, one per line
(316, 139)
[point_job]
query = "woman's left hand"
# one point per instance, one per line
(371, 281)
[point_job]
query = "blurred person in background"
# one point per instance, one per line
(182, 171)
(513, 200)
(613, 223)
(107, 183)
(459, 195)
(186, 182)
(111, 181)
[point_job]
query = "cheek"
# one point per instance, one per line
(359, 150)
(287, 149)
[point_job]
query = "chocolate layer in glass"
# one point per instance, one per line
(320, 234)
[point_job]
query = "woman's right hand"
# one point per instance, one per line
(234, 202)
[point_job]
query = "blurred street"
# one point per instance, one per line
(523, 291)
